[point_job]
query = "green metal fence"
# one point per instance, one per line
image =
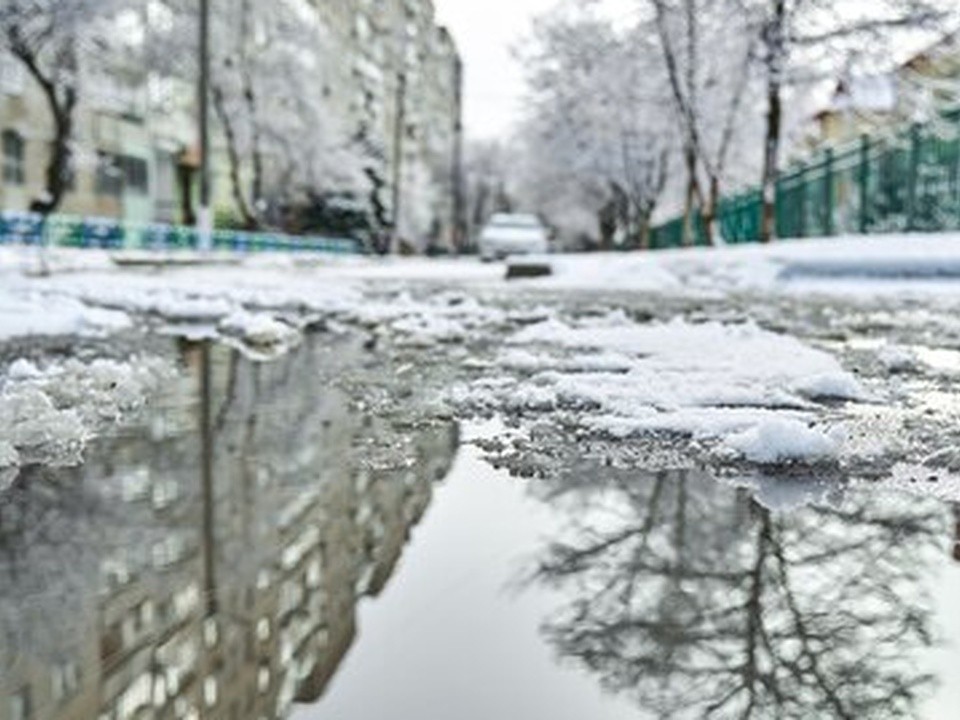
(106, 233)
(907, 181)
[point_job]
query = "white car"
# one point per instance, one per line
(512, 234)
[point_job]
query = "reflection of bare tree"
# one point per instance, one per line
(956, 532)
(701, 603)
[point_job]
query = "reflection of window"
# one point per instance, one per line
(20, 706)
(14, 149)
(65, 680)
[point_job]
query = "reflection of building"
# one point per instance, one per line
(304, 524)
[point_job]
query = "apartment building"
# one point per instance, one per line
(390, 78)
(127, 161)
(394, 76)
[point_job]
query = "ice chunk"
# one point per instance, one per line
(23, 370)
(896, 359)
(258, 329)
(784, 440)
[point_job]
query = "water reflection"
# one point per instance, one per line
(208, 560)
(699, 602)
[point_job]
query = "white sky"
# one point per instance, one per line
(486, 31)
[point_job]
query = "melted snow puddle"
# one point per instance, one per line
(603, 593)
(525, 598)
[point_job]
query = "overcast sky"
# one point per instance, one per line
(486, 31)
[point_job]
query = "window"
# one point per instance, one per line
(14, 150)
(70, 172)
(12, 78)
(109, 175)
(135, 176)
(117, 174)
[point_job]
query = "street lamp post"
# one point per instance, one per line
(204, 216)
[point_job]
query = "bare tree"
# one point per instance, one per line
(595, 137)
(708, 97)
(283, 145)
(487, 169)
(45, 37)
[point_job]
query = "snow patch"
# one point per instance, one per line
(781, 440)
(34, 314)
(897, 359)
(708, 381)
(261, 330)
(48, 415)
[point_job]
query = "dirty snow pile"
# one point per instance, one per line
(260, 310)
(49, 413)
(28, 314)
(848, 265)
(444, 317)
(754, 392)
(259, 332)
(205, 293)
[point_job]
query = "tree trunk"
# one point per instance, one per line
(61, 106)
(644, 240)
(250, 98)
(690, 160)
(774, 41)
(58, 167)
(771, 152)
(607, 221)
(233, 157)
(710, 211)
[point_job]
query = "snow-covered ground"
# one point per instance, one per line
(695, 343)
(754, 389)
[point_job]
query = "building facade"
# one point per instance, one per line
(917, 90)
(395, 78)
(126, 161)
(390, 79)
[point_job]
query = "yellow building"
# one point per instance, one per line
(126, 162)
(915, 91)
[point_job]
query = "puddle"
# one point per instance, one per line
(264, 545)
(189, 573)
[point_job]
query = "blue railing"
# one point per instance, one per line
(90, 232)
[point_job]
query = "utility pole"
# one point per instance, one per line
(204, 216)
(459, 225)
